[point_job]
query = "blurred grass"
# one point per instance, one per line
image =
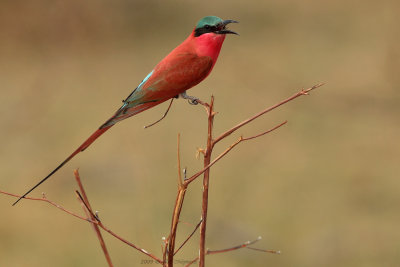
(323, 189)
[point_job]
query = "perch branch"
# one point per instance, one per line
(206, 179)
(207, 156)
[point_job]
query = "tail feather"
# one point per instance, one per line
(81, 148)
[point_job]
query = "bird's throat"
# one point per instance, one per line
(209, 45)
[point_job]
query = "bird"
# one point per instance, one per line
(184, 67)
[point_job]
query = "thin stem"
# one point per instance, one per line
(177, 211)
(174, 224)
(101, 225)
(243, 245)
(238, 126)
(206, 180)
(187, 239)
(89, 212)
(51, 203)
(273, 251)
(191, 262)
(264, 133)
(130, 244)
(87, 209)
(241, 139)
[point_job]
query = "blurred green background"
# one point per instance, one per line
(324, 189)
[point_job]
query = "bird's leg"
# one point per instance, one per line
(163, 116)
(191, 99)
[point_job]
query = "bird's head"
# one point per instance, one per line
(213, 24)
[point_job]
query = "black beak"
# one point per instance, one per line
(224, 30)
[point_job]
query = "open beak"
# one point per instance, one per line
(224, 30)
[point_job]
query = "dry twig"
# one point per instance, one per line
(243, 245)
(89, 213)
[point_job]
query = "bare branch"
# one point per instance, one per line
(241, 139)
(266, 250)
(233, 129)
(243, 245)
(174, 224)
(190, 236)
(176, 213)
(130, 244)
(97, 231)
(51, 203)
(101, 225)
(263, 133)
(206, 178)
(89, 212)
(191, 262)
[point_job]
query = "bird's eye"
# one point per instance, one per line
(207, 27)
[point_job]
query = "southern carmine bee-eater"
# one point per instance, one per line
(186, 66)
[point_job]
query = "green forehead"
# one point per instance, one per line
(210, 20)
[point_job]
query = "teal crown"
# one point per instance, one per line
(209, 20)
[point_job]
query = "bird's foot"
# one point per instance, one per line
(191, 99)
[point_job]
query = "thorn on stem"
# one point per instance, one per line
(96, 215)
(184, 174)
(200, 150)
